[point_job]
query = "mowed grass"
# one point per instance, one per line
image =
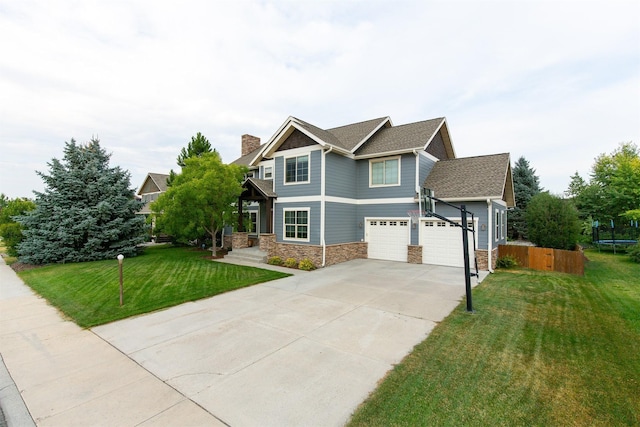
(543, 349)
(163, 276)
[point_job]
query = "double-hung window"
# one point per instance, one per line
(296, 224)
(384, 172)
(296, 169)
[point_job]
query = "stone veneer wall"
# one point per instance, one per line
(240, 240)
(335, 254)
(267, 243)
(481, 255)
(298, 252)
(414, 254)
(345, 252)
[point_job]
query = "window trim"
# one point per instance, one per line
(383, 160)
(270, 169)
(284, 224)
(284, 165)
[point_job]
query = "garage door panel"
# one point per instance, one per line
(442, 243)
(387, 239)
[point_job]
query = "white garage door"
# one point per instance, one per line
(442, 243)
(388, 238)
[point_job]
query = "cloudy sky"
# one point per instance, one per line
(557, 82)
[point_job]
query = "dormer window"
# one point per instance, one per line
(296, 169)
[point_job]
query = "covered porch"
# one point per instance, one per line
(261, 192)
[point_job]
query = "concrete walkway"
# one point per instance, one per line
(304, 350)
(69, 376)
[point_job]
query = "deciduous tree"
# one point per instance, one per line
(86, 212)
(614, 186)
(201, 199)
(10, 230)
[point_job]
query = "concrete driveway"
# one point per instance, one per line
(304, 350)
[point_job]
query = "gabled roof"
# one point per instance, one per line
(473, 178)
(354, 135)
(404, 138)
(154, 183)
(363, 139)
(265, 187)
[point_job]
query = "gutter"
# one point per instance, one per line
(417, 154)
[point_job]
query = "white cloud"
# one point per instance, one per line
(555, 81)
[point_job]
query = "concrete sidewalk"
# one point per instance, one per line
(69, 376)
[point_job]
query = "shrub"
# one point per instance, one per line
(634, 253)
(552, 222)
(306, 265)
(507, 261)
(290, 262)
(275, 260)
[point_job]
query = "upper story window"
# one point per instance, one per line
(268, 172)
(296, 169)
(384, 172)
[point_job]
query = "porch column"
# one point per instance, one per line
(269, 215)
(240, 215)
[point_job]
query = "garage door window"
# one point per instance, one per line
(296, 224)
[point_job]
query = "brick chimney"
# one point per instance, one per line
(249, 143)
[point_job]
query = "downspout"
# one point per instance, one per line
(417, 154)
(323, 242)
(489, 236)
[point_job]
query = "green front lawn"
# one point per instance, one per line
(542, 349)
(163, 276)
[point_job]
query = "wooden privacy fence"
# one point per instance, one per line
(545, 259)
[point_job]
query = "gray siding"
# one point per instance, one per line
(340, 176)
(314, 221)
(407, 180)
(426, 165)
(296, 190)
(479, 210)
(340, 223)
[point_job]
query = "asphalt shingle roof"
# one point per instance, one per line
(403, 137)
(160, 180)
(471, 177)
(264, 186)
(246, 159)
(351, 135)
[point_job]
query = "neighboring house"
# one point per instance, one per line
(332, 195)
(154, 185)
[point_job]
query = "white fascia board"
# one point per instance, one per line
(429, 156)
(433, 135)
(386, 154)
(276, 137)
(377, 128)
(453, 149)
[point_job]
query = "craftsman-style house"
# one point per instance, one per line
(353, 191)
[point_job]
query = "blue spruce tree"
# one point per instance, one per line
(87, 211)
